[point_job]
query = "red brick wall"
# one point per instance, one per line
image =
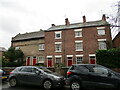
(116, 41)
(90, 43)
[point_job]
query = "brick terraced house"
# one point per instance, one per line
(76, 43)
(32, 45)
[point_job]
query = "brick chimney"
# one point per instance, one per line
(84, 19)
(67, 21)
(104, 17)
(52, 25)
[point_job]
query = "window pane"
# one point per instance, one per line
(101, 32)
(102, 45)
(78, 33)
(57, 35)
(58, 60)
(79, 46)
(58, 47)
(79, 60)
(41, 47)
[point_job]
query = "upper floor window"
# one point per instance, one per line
(79, 45)
(58, 35)
(101, 30)
(41, 46)
(102, 44)
(58, 47)
(78, 32)
(17, 48)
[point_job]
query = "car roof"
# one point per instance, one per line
(32, 66)
(85, 64)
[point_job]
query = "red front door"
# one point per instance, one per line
(49, 62)
(34, 61)
(92, 60)
(28, 61)
(69, 61)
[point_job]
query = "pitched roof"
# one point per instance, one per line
(2, 49)
(78, 25)
(27, 36)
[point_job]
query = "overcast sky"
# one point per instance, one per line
(21, 16)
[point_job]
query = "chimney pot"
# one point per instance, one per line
(53, 25)
(67, 21)
(84, 19)
(104, 17)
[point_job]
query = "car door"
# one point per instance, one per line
(35, 77)
(100, 78)
(23, 75)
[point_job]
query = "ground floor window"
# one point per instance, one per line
(40, 59)
(79, 60)
(58, 60)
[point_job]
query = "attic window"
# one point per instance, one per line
(41, 46)
(101, 30)
(58, 35)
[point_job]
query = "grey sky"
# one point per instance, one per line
(21, 16)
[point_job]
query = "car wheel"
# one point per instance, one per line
(47, 84)
(13, 82)
(75, 85)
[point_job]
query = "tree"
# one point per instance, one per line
(109, 58)
(14, 55)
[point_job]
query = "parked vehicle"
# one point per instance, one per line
(33, 75)
(92, 76)
(3, 75)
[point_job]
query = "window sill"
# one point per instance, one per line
(79, 50)
(41, 49)
(58, 51)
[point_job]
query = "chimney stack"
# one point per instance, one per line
(84, 19)
(104, 17)
(52, 25)
(67, 21)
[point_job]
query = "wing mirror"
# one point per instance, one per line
(37, 72)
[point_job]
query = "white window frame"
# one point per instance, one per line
(58, 32)
(101, 29)
(17, 48)
(78, 31)
(58, 43)
(81, 56)
(41, 46)
(79, 42)
(58, 56)
(40, 61)
(102, 42)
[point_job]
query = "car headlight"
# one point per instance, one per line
(57, 78)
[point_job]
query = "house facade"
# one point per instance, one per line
(116, 41)
(2, 50)
(76, 43)
(32, 45)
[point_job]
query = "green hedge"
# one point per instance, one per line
(109, 58)
(12, 64)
